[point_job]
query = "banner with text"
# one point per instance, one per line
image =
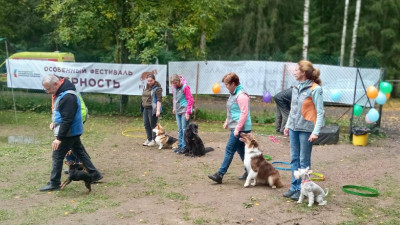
(124, 79)
(257, 77)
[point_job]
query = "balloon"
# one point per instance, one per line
(381, 99)
(367, 120)
(357, 110)
(385, 87)
(216, 88)
(335, 95)
(372, 92)
(387, 96)
(267, 97)
(373, 115)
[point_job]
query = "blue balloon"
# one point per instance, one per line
(373, 115)
(335, 95)
(381, 98)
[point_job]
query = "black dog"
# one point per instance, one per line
(194, 144)
(78, 172)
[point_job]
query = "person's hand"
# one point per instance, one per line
(286, 132)
(55, 144)
(187, 116)
(225, 125)
(312, 137)
(51, 126)
(173, 111)
(235, 133)
(158, 113)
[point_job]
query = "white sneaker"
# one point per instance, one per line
(146, 143)
(151, 143)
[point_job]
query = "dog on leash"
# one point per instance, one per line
(257, 166)
(309, 188)
(77, 172)
(163, 140)
(194, 144)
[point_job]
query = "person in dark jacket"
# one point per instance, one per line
(151, 103)
(67, 126)
(283, 100)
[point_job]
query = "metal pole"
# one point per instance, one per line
(10, 77)
(197, 88)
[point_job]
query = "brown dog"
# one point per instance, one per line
(163, 140)
(257, 167)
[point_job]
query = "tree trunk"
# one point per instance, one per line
(123, 50)
(203, 41)
(346, 6)
(354, 39)
(305, 28)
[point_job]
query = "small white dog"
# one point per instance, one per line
(309, 188)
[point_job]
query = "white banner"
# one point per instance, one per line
(257, 77)
(124, 79)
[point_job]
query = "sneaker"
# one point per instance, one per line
(183, 151)
(289, 193)
(176, 150)
(295, 196)
(66, 171)
(50, 187)
(146, 143)
(151, 143)
(217, 177)
(244, 176)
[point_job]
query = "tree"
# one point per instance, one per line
(305, 28)
(343, 42)
(354, 39)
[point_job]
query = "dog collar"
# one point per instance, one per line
(305, 181)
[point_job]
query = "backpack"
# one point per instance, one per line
(84, 109)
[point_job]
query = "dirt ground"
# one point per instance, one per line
(151, 186)
(210, 203)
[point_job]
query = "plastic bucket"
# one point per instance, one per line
(360, 140)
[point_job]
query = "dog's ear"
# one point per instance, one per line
(254, 143)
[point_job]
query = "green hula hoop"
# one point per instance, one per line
(374, 193)
(267, 157)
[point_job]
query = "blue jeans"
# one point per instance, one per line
(300, 154)
(233, 145)
(182, 125)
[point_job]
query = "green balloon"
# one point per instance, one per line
(385, 87)
(357, 110)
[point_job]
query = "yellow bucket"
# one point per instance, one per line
(360, 140)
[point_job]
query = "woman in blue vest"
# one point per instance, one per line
(238, 120)
(182, 108)
(305, 120)
(151, 103)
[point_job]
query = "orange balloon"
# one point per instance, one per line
(216, 88)
(372, 92)
(387, 96)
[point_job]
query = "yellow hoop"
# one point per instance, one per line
(131, 130)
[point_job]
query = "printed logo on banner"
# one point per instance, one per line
(15, 73)
(143, 78)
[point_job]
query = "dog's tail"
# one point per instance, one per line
(277, 182)
(327, 191)
(208, 149)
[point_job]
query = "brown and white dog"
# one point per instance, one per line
(163, 140)
(257, 167)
